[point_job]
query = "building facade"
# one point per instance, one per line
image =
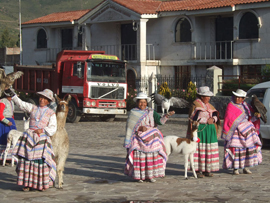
(174, 38)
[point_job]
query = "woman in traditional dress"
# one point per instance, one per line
(206, 157)
(7, 123)
(242, 147)
(146, 153)
(36, 166)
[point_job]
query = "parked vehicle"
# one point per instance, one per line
(96, 82)
(262, 91)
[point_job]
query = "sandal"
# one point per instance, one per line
(207, 174)
(199, 175)
(26, 189)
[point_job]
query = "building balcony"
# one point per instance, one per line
(222, 50)
(126, 52)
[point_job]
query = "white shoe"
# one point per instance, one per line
(140, 181)
(246, 171)
(236, 172)
(152, 180)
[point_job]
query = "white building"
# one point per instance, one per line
(177, 38)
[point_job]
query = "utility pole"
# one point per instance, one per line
(20, 23)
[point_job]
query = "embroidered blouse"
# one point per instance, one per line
(40, 117)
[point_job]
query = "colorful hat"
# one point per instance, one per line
(142, 95)
(240, 93)
(205, 91)
(48, 94)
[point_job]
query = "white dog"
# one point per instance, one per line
(184, 146)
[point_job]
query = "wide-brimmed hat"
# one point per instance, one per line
(205, 91)
(240, 93)
(48, 94)
(142, 95)
(8, 93)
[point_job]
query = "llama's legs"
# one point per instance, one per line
(5, 153)
(60, 169)
(186, 165)
(191, 157)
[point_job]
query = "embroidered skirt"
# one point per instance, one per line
(147, 165)
(206, 157)
(241, 157)
(4, 130)
(33, 174)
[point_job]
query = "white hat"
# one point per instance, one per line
(240, 93)
(48, 94)
(204, 91)
(142, 95)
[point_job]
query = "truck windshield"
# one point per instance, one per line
(106, 72)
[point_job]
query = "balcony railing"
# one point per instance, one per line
(124, 51)
(220, 50)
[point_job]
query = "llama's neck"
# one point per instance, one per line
(194, 136)
(61, 119)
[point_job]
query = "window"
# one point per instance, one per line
(41, 39)
(182, 76)
(248, 27)
(183, 31)
(67, 38)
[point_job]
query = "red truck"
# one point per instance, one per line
(96, 82)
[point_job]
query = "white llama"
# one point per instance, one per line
(12, 138)
(184, 146)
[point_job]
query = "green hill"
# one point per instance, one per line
(31, 9)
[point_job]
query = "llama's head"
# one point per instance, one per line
(26, 123)
(62, 104)
(194, 128)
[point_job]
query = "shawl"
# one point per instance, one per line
(234, 115)
(198, 105)
(148, 141)
(135, 117)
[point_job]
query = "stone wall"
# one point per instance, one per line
(220, 103)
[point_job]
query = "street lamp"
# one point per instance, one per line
(20, 23)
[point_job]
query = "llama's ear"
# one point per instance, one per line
(69, 98)
(57, 98)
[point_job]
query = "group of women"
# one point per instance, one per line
(146, 155)
(36, 167)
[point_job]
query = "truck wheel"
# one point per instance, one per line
(107, 118)
(32, 101)
(73, 113)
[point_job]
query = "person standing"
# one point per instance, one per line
(7, 123)
(206, 157)
(146, 153)
(36, 166)
(242, 146)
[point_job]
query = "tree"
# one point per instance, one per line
(6, 40)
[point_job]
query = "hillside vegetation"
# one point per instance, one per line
(31, 9)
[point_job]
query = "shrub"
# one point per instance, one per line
(165, 90)
(191, 92)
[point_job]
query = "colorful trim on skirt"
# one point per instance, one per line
(33, 174)
(242, 158)
(147, 165)
(206, 157)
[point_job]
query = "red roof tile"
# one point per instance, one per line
(146, 7)
(68, 16)
(140, 6)
(188, 5)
